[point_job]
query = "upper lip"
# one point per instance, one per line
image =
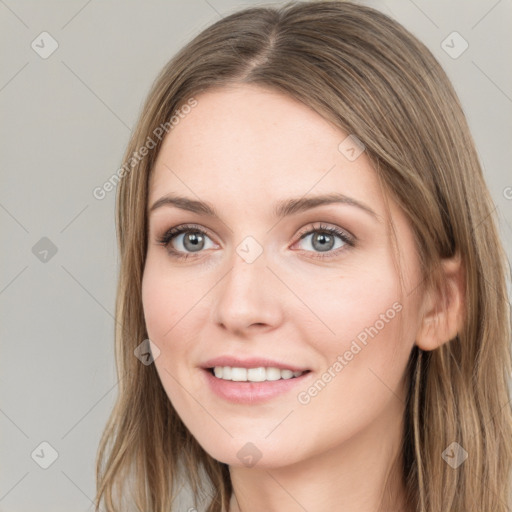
(252, 362)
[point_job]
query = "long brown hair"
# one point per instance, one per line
(367, 74)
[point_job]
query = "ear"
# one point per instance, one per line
(443, 309)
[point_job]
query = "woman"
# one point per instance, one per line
(311, 279)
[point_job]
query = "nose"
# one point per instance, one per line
(248, 298)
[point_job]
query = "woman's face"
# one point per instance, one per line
(266, 286)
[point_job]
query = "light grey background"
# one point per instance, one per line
(65, 122)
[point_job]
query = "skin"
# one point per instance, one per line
(242, 149)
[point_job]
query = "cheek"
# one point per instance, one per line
(342, 307)
(157, 300)
(361, 325)
(168, 300)
(171, 308)
(157, 315)
(176, 309)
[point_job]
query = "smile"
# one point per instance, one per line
(254, 385)
(259, 374)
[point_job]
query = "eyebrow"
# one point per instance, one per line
(282, 209)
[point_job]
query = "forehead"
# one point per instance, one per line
(248, 143)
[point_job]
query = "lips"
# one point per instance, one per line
(252, 393)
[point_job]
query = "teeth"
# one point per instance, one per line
(238, 374)
(253, 374)
(218, 371)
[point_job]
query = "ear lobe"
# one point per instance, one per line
(443, 308)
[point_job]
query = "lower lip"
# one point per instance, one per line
(251, 392)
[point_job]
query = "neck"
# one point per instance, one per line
(363, 474)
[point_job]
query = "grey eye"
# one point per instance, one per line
(192, 241)
(322, 242)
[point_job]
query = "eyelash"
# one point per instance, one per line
(171, 233)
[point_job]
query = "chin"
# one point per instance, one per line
(253, 454)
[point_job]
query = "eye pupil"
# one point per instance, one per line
(196, 239)
(322, 238)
